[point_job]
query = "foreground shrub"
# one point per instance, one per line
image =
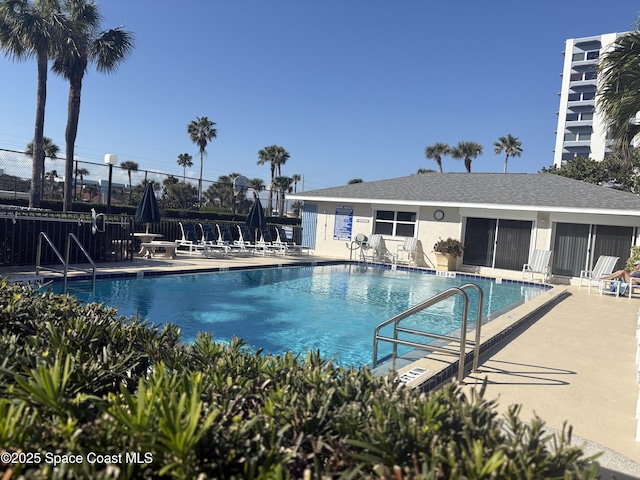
(124, 399)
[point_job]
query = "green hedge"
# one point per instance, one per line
(128, 400)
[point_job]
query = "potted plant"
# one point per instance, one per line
(447, 252)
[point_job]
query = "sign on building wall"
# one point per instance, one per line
(343, 223)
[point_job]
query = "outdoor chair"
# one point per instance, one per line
(603, 267)
(289, 245)
(190, 238)
(408, 249)
(539, 263)
(375, 249)
(225, 238)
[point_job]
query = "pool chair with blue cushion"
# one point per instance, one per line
(190, 238)
(246, 238)
(290, 247)
(209, 240)
(269, 242)
(225, 238)
(603, 267)
(539, 263)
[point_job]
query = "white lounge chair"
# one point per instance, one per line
(539, 263)
(190, 238)
(603, 267)
(375, 250)
(408, 249)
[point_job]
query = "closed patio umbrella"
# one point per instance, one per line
(148, 210)
(256, 218)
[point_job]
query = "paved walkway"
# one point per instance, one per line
(575, 364)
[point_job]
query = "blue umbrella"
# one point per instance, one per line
(256, 218)
(148, 210)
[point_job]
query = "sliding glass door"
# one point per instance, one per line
(578, 246)
(497, 243)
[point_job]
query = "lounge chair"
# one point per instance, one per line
(603, 267)
(190, 238)
(539, 263)
(209, 240)
(289, 245)
(375, 249)
(268, 242)
(246, 238)
(225, 238)
(408, 249)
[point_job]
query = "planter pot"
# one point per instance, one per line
(445, 263)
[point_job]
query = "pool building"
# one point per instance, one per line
(500, 218)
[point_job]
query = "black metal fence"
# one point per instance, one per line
(109, 239)
(20, 230)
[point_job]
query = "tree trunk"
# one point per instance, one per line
(38, 136)
(73, 114)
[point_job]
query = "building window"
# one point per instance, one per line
(577, 136)
(395, 224)
(572, 117)
(593, 55)
(578, 57)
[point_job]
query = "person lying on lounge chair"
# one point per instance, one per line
(624, 276)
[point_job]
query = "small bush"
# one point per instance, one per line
(80, 380)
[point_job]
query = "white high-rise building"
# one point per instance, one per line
(581, 131)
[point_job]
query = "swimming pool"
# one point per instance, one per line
(331, 308)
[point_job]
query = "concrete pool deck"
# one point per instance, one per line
(577, 363)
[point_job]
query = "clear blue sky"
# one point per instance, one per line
(352, 89)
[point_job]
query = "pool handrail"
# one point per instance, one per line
(65, 261)
(428, 303)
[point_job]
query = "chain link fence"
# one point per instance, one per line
(91, 184)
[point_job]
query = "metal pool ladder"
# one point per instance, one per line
(462, 341)
(65, 261)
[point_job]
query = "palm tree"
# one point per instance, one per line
(275, 156)
(129, 166)
(185, 160)
(52, 175)
(257, 184)
(282, 185)
(296, 177)
(201, 132)
(81, 172)
(107, 49)
(49, 149)
(467, 151)
(436, 151)
(619, 90)
(510, 145)
(34, 28)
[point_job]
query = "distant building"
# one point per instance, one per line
(581, 131)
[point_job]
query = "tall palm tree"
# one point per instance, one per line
(34, 28)
(201, 132)
(282, 185)
(467, 151)
(436, 151)
(52, 175)
(129, 166)
(619, 90)
(276, 156)
(106, 49)
(510, 145)
(185, 160)
(49, 149)
(296, 177)
(81, 172)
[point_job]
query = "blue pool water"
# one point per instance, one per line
(331, 308)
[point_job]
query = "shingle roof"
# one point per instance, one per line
(499, 190)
